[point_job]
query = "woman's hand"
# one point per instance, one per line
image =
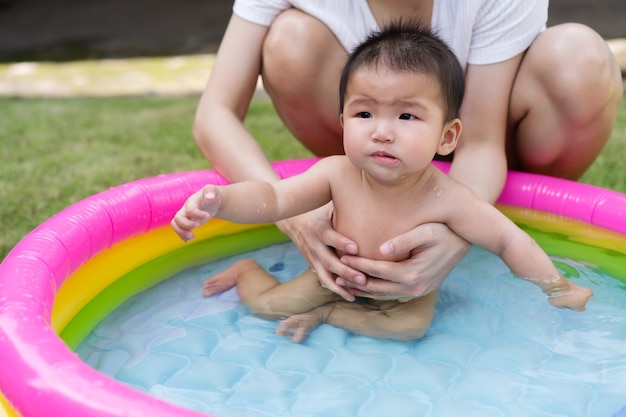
(435, 250)
(313, 234)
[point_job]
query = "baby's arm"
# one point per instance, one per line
(199, 208)
(529, 262)
(482, 224)
(256, 201)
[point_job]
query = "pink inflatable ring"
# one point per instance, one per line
(40, 375)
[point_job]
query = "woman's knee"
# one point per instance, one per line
(290, 49)
(576, 68)
(302, 62)
(568, 88)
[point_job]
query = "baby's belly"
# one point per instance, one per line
(379, 300)
(369, 240)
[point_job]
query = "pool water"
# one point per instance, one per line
(495, 348)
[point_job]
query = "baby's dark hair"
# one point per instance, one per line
(407, 46)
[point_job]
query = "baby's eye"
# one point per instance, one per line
(406, 116)
(364, 115)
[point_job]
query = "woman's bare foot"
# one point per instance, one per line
(298, 326)
(226, 279)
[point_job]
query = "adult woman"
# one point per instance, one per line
(538, 100)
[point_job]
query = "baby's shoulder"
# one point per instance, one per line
(335, 165)
(339, 171)
(441, 179)
(337, 160)
(448, 190)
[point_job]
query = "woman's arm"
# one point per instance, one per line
(218, 127)
(480, 158)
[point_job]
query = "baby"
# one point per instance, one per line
(400, 95)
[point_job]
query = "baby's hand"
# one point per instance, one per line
(575, 297)
(199, 208)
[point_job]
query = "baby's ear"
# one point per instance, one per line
(450, 136)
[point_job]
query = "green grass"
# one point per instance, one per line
(609, 169)
(57, 151)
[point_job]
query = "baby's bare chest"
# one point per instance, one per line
(371, 223)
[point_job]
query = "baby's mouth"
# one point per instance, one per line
(385, 158)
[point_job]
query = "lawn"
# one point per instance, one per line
(58, 151)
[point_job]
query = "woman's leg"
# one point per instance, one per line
(302, 64)
(564, 102)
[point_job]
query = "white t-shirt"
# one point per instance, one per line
(478, 31)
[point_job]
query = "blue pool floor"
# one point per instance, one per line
(495, 348)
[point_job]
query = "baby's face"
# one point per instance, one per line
(393, 122)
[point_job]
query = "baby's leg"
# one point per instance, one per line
(298, 326)
(265, 296)
(405, 321)
(387, 319)
(228, 278)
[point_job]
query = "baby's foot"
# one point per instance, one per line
(574, 298)
(224, 280)
(298, 326)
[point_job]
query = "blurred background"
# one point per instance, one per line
(96, 93)
(78, 29)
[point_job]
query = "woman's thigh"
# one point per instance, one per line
(302, 64)
(563, 103)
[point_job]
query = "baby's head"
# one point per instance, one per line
(408, 47)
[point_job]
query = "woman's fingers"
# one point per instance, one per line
(432, 251)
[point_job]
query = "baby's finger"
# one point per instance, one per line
(184, 233)
(197, 215)
(184, 221)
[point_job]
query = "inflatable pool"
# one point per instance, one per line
(95, 254)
